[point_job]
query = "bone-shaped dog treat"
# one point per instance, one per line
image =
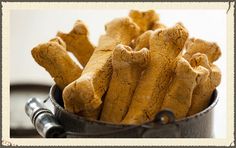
(211, 49)
(158, 25)
(127, 67)
(144, 20)
(84, 94)
(55, 59)
(202, 93)
(165, 46)
(121, 87)
(78, 43)
(179, 94)
(121, 69)
(143, 40)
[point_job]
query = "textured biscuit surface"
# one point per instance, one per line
(127, 67)
(179, 95)
(210, 49)
(165, 46)
(78, 43)
(202, 93)
(145, 20)
(54, 58)
(85, 94)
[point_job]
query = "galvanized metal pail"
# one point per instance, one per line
(199, 125)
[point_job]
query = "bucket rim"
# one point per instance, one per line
(197, 115)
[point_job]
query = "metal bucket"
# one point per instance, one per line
(199, 125)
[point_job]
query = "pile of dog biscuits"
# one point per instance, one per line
(139, 67)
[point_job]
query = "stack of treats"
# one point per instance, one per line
(138, 68)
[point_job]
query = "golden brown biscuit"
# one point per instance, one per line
(84, 94)
(211, 49)
(54, 58)
(179, 94)
(165, 46)
(157, 25)
(145, 20)
(202, 93)
(78, 43)
(143, 40)
(127, 67)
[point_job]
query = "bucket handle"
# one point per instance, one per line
(47, 125)
(43, 119)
